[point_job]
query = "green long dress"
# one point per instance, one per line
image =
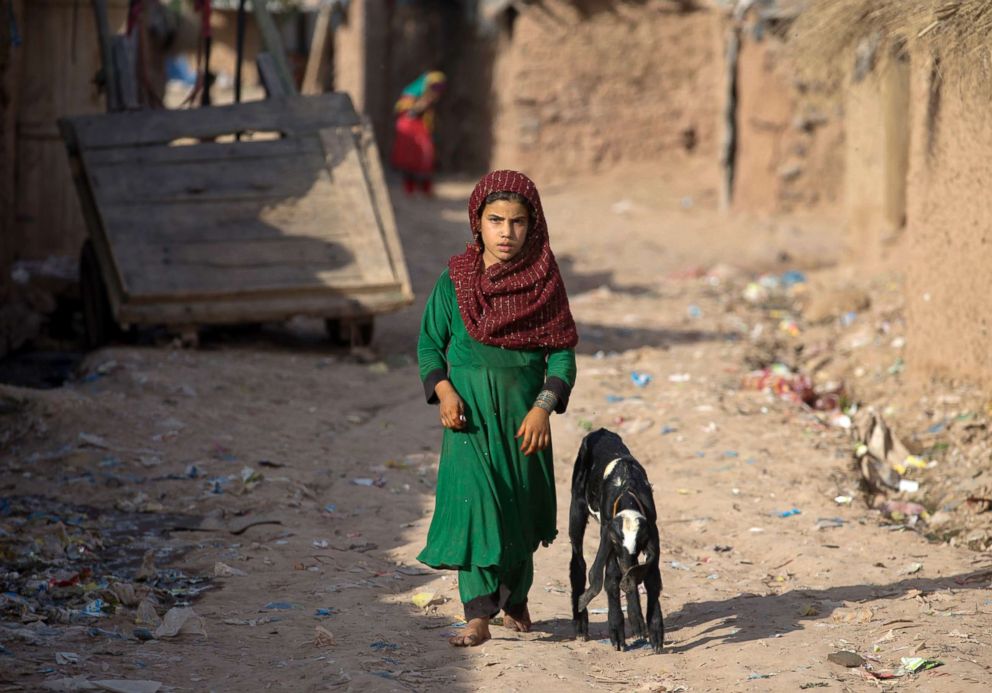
(494, 504)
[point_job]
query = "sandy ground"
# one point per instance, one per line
(752, 601)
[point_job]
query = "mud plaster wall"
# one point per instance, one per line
(583, 86)
(877, 108)
(949, 234)
(790, 134)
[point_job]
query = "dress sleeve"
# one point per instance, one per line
(561, 376)
(435, 333)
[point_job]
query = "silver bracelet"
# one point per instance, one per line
(546, 400)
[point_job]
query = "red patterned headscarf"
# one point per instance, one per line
(520, 304)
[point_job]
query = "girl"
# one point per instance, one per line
(413, 145)
(496, 352)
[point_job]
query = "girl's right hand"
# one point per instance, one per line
(452, 407)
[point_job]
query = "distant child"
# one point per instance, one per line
(496, 351)
(413, 143)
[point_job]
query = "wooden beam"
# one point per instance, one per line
(273, 44)
(268, 73)
(313, 78)
(106, 55)
(293, 115)
(124, 59)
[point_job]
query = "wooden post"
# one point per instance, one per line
(269, 75)
(313, 78)
(106, 55)
(728, 147)
(273, 44)
(124, 59)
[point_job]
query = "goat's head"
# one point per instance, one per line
(627, 536)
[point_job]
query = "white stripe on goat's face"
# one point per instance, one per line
(631, 523)
(609, 467)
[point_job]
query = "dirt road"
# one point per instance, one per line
(336, 452)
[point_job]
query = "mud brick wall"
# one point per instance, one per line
(582, 86)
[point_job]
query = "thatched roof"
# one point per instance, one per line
(828, 32)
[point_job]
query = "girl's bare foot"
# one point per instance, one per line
(521, 624)
(474, 633)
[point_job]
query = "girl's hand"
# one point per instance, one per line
(452, 407)
(535, 431)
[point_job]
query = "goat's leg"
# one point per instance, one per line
(612, 587)
(656, 622)
(634, 614)
(578, 516)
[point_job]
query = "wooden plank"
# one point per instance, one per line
(246, 152)
(229, 310)
(313, 77)
(271, 178)
(348, 180)
(190, 222)
(273, 45)
(376, 181)
(106, 54)
(124, 57)
(268, 73)
(292, 116)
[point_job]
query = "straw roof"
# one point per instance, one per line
(828, 32)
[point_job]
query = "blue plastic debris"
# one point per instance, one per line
(792, 277)
(94, 608)
(280, 606)
(613, 399)
(790, 512)
(640, 379)
(666, 429)
(730, 453)
(331, 508)
(381, 645)
(694, 311)
(326, 611)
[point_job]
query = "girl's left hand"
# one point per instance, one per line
(535, 431)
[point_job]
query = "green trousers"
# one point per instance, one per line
(484, 591)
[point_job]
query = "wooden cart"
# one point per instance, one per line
(190, 226)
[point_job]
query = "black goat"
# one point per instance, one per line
(609, 484)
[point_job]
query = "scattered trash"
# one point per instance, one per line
(911, 569)
(382, 645)
(63, 658)
(640, 379)
(224, 570)
(326, 611)
(846, 658)
(323, 637)
(844, 500)
(666, 429)
(829, 522)
(790, 512)
(754, 676)
(679, 566)
(904, 511)
(280, 606)
(320, 543)
(94, 608)
(908, 486)
(147, 614)
(694, 312)
(679, 378)
(331, 508)
(916, 664)
(425, 599)
(180, 621)
(813, 684)
(719, 548)
(378, 482)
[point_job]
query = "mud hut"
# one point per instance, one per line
(919, 76)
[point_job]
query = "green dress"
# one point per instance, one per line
(494, 504)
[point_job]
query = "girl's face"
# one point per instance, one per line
(504, 230)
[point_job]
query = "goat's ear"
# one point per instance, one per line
(598, 571)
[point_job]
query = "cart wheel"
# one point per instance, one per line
(350, 331)
(98, 320)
